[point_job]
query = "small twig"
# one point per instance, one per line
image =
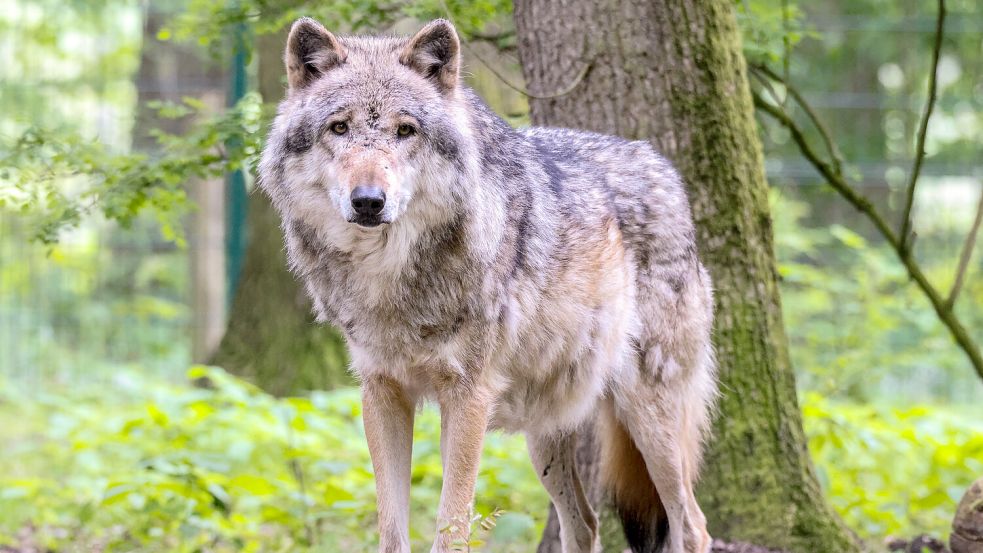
(491, 37)
(966, 254)
(546, 96)
(536, 96)
(786, 47)
(766, 83)
(769, 87)
(832, 176)
(916, 167)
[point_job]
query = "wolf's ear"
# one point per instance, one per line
(435, 53)
(311, 51)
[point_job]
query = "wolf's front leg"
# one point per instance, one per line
(387, 412)
(464, 417)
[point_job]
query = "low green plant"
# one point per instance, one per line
(894, 471)
(859, 329)
(145, 465)
(142, 464)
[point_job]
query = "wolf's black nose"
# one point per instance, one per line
(368, 201)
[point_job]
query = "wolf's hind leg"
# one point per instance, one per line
(656, 418)
(555, 463)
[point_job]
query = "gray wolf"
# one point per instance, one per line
(524, 280)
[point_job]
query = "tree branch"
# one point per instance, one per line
(916, 167)
(537, 96)
(544, 96)
(786, 49)
(966, 254)
(834, 152)
(828, 171)
(492, 37)
(858, 200)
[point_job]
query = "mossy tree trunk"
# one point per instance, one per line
(673, 73)
(271, 338)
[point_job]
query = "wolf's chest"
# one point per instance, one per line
(395, 314)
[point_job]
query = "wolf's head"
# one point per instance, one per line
(368, 126)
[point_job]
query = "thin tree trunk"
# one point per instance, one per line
(673, 73)
(272, 339)
(170, 71)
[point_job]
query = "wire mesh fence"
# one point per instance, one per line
(105, 297)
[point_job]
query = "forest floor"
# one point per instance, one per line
(720, 546)
(28, 542)
(918, 544)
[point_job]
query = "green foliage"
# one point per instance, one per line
(139, 464)
(142, 465)
(770, 29)
(61, 176)
(858, 327)
(210, 23)
(54, 71)
(894, 470)
(87, 305)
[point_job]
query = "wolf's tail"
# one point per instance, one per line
(631, 491)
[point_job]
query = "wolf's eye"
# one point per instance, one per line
(339, 128)
(405, 130)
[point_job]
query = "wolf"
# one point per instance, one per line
(525, 280)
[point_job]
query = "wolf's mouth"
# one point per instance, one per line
(368, 222)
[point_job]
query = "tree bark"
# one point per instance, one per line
(672, 73)
(272, 339)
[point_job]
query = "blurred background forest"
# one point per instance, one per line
(127, 134)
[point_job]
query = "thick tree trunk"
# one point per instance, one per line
(673, 73)
(272, 339)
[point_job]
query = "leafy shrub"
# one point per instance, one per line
(859, 329)
(147, 465)
(894, 470)
(151, 466)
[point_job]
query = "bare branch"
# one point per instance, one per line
(834, 152)
(966, 254)
(786, 49)
(544, 96)
(916, 167)
(492, 37)
(766, 82)
(827, 170)
(837, 181)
